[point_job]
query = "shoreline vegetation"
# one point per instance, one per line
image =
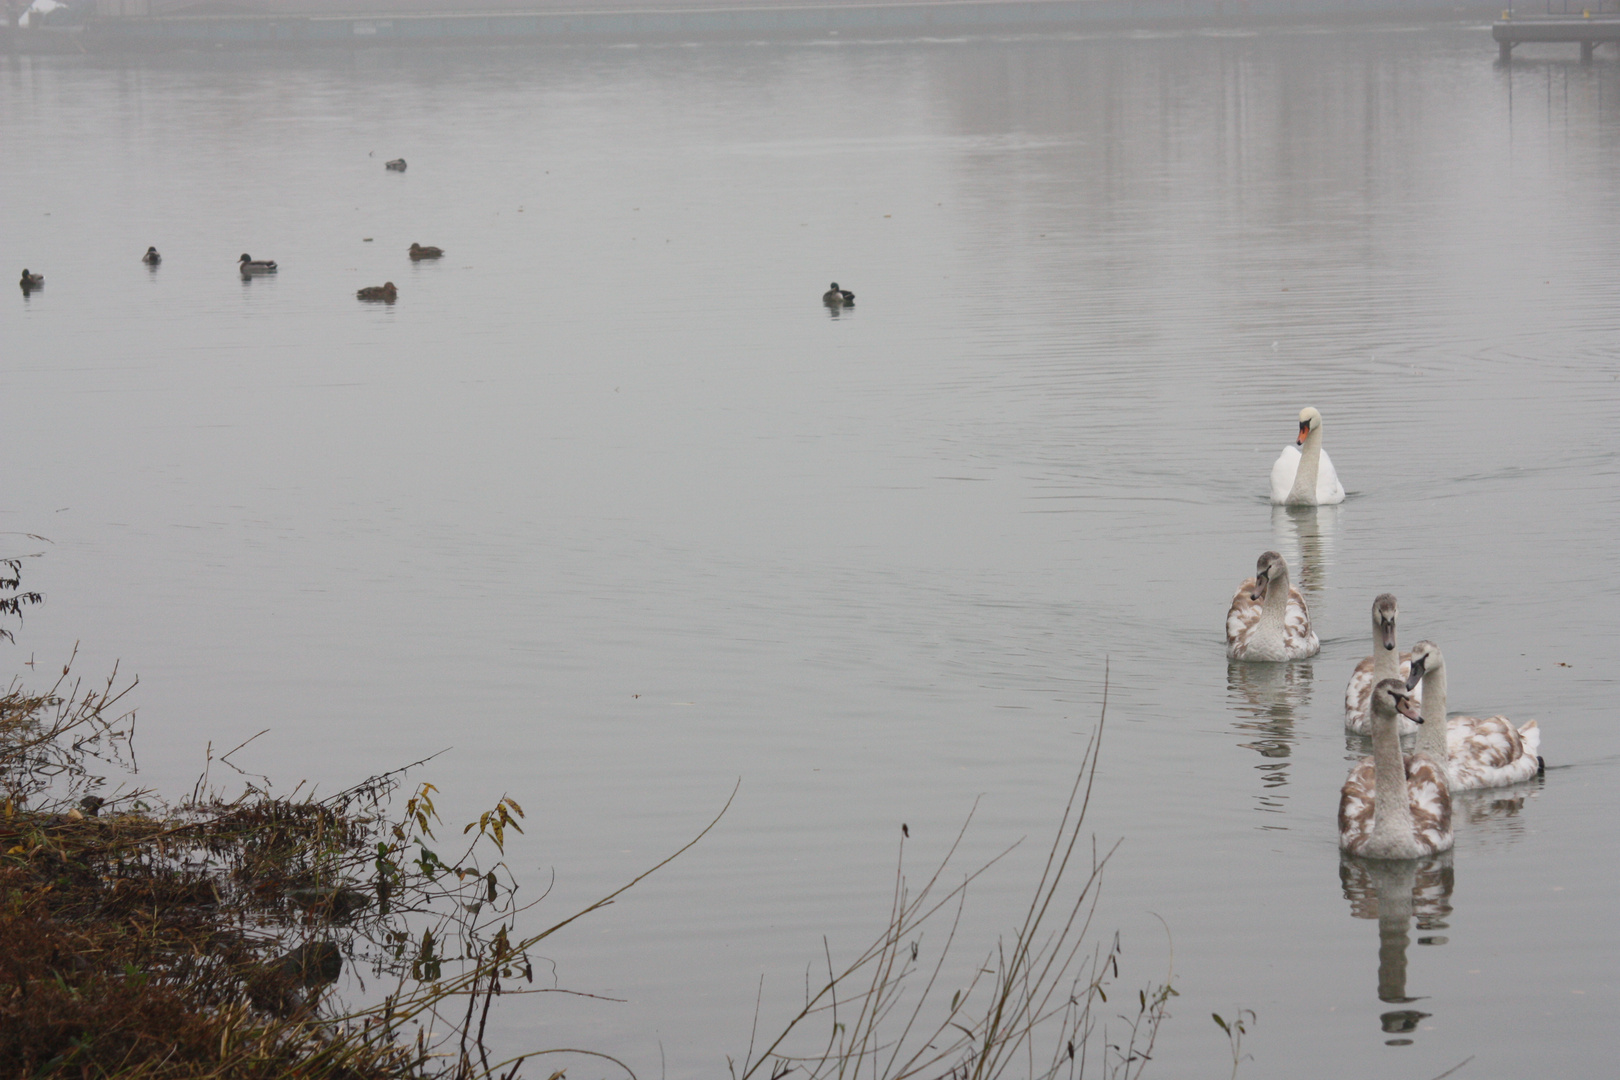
(206, 938)
(200, 939)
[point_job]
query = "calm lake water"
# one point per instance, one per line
(609, 504)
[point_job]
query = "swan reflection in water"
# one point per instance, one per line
(1305, 535)
(1265, 699)
(1398, 892)
(1498, 810)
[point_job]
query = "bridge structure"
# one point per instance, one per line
(1588, 26)
(114, 25)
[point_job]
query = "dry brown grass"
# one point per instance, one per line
(201, 940)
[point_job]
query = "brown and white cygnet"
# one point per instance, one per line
(1385, 663)
(1268, 619)
(1394, 805)
(1476, 753)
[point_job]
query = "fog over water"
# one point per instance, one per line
(611, 505)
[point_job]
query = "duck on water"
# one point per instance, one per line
(836, 297)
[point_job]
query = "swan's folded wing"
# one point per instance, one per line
(1283, 471)
(1357, 693)
(1490, 752)
(1356, 807)
(1297, 630)
(1530, 734)
(1491, 742)
(1430, 799)
(1241, 619)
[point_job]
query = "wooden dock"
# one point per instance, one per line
(1586, 29)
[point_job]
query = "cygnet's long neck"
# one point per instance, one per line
(1310, 461)
(1392, 812)
(1274, 612)
(1431, 739)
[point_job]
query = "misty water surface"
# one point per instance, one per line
(608, 503)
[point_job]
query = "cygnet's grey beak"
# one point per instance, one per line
(1416, 675)
(1389, 635)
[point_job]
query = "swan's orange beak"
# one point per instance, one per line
(1304, 430)
(1407, 707)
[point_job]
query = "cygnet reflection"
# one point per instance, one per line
(1398, 892)
(1305, 535)
(1265, 700)
(1497, 814)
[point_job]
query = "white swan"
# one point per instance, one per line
(1306, 478)
(1476, 753)
(1394, 806)
(1268, 619)
(1384, 663)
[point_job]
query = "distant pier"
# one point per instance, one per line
(1586, 29)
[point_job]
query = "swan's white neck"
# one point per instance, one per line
(1431, 739)
(1392, 810)
(1310, 461)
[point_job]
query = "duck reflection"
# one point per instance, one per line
(1266, 698)
(1398, 892)
(1305, 535)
